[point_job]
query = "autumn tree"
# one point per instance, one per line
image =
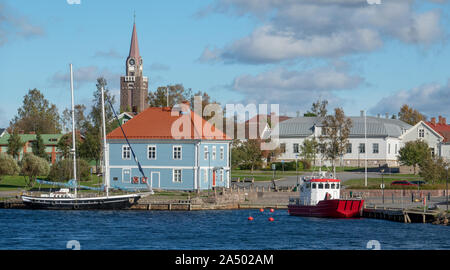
(177, 94)
(37, 114)
(247, 154)
(318, 108)
(433, 169)
(309, 149)
(336, 132)
(80, 118)
(410, 115)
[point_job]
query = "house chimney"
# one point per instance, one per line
(444, 121)
(433, 120)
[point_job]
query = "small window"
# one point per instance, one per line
(206, 153)
(115, 178)
(327, 186)
(283, 147)
(295, 148)
(152, 152)
(126, 152)
(337, 186)
(213, 153)
(177, 175)
(314, 186)
(421, 133)
(375, 147)
(333, 186)
(177, 152)
(349, 148)
(222, 175)
(362, 148)
(321, 186)
(222, 153)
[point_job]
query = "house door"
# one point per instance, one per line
(155, 180)
(126, 176)
(214, 179)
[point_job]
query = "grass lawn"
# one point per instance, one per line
(374, 183)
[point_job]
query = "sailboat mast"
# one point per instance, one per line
(105, 154)
(73, 133)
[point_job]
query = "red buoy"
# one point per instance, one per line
(261, 210)
(271, 210)
(271, 219)
(250, 218)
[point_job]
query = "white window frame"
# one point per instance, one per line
(214, 152)
(148, 151)
(205, 175)
(222, 153)
(222, 174)
(181, 152)
(175, 175)
(377, 148)
(421, 133)
(126, 149)
(205, 152)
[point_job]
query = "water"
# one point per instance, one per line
(203, 230)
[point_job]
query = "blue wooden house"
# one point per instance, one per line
(197, 160)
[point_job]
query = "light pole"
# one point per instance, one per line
(382, 184)
(446, 185)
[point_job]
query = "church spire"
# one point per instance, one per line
(134, 48)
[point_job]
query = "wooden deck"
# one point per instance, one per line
(400, 215)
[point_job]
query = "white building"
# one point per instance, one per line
(380, 140)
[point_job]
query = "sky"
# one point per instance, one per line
(357, 55)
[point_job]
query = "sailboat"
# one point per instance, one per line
(64, 199)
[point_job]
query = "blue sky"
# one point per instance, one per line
(293, 52)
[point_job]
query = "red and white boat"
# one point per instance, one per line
(320, 197)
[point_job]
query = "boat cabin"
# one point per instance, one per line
(314, 190)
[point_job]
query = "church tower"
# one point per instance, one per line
(134, 85)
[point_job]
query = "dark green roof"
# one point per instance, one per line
(49, 139)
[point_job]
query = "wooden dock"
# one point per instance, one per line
(400, 215)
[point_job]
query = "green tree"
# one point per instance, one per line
(37, 114)
(80, 118)
(34, 166)
(177, 94)
(433, 169)
(65, 144)
(15, 145)
(414, 153)
(8, 166)
(62, 171)
(337, 130)
(410, 115)
(91, 147)
(38, 147)
(247, 154)
(309, 149)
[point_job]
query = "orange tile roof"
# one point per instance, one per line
(442, 129)
(161, 123)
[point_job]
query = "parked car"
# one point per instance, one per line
(418, 182)
(402, 183)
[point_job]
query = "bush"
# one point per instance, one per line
(34, 166)
(8, 166)
(62, 171)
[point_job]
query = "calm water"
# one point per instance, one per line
(26, 229)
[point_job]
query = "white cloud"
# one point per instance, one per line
(292, 29)
(83, 75)
(15, 26)
(296, 90)
(430, 99)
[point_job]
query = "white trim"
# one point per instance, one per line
(159, 179)
(205, 152)
(416, 125)
(222, 153)
(150, 167)
(148, 151)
